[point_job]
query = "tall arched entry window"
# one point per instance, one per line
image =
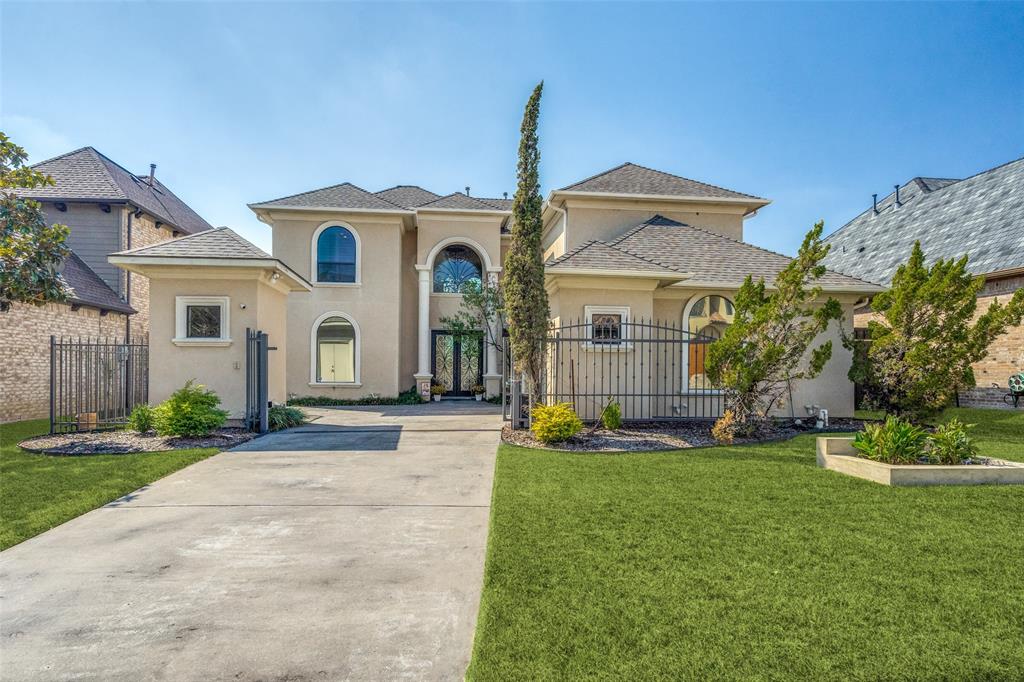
(335, 351)
(706, 320)
(336, 250)
(455, 267)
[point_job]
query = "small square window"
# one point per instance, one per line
(203, 322)
(607, 327)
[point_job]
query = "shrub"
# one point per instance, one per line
(409, 397)
(141, 419)
(950, 443)
(555, 423)
(897, 441)
(437, 389)
(190, 411)
(724, 430)
(281, 417)
(611, 416)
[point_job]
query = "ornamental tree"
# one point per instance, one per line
(923, 341)
(768, 345)
(526, 299)
(30, 250)
(481, 313)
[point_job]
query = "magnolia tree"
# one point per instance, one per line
(925, 335)
(30, 250)
(769, 343)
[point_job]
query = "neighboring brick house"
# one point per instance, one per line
(981, 216)
(107, 209)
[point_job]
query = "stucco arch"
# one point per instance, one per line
(485, 258)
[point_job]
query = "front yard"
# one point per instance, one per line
(38, 492)
(749, 563)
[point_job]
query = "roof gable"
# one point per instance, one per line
(345, 195)
(630, 178)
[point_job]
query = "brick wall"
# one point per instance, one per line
(144, 233)
(25, 352)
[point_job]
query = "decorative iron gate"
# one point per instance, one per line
(96, 383)
(653, 370)
(257, 351)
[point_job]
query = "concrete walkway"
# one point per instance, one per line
(351, 548)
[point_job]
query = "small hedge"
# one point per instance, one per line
(281, 417)
(409, 397)
(142, 419)
(555, 423)
(190, 411)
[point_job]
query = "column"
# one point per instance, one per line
(423, 375)
(492, 375)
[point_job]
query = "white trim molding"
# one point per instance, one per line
(465, 241)
(314, 270)
(357, 351)
(181, 337)
(623, 344)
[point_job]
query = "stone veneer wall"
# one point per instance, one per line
(25, 352)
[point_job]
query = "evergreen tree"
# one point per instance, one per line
(526, 300)
(923, 341)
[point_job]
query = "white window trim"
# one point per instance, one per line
(623, 344)
(313, 381)
(314, 270)
(181, 337)
(686, 390)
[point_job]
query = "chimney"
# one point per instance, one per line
(152, 173)
(467, 190)
(897, 204)
(874, 203)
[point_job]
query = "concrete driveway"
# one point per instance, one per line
(351, 548)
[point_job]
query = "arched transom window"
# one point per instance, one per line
(706, 320)
(455, 267)
(336, 253)
(336, 347)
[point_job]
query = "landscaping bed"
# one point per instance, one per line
(123, 442)
(652, 436)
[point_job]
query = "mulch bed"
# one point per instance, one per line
(664, 436)
(124, 442)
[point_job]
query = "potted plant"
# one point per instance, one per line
(478, 392)
(437, 390)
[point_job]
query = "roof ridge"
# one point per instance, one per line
(328, 187)
(457, 194)
(699, 182)
(182, 238)
(595, 175)
(599, 242)
(643, 258)
(101, 158)
(61, 156)
(388, 189)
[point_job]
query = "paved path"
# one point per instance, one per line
(351, 548)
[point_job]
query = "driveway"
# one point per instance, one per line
(352, 548)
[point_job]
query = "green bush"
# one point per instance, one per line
(190, 411)
(950, 443)
(897, 441)
(141, 419)
(409, 397)
(555, 423)
(611, 416)
(281, 417)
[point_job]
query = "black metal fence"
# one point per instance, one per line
(96, 383)
(257, 347)
(654, 370)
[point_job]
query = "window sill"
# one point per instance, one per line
(336, 384)
(338, 285)
(621, 347)
(201, 342)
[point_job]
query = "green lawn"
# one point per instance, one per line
(38, 492)
(749, 563)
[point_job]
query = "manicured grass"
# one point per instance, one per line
(749, 563)
(38, 492)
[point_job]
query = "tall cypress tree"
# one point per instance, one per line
(526, 300)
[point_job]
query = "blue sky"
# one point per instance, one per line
(815, 106)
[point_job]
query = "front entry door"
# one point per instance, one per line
(457, 363)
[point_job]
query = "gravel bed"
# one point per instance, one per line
(124, 442)
(663, 436)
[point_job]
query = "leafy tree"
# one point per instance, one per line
(526, 300)
(481, 313)
(923, 342)
(766, 347)
(30, 251)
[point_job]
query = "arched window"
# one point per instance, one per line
(455, 267)
(335, 350)
(706, 319)
(336, 253)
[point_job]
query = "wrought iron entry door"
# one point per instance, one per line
(457, 363)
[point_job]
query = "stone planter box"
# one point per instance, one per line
(838, 454)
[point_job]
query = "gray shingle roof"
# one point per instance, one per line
(220, 242)
(500, 204)
(345, 195)
(710, 257)
(407, 196)
(459, 201)
(88, 289)
(87, 175)
(598, 255)
(629, 178)
(981, 216)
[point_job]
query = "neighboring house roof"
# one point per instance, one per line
(407, 196)
(500, 204)
(345, 195)
(981, 216)
(88, 289)
(220, 242)
(708, 258)
(629, 178)
(462, 202)
(87, 175)
(598, 255)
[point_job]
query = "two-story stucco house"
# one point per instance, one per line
(354, 294)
